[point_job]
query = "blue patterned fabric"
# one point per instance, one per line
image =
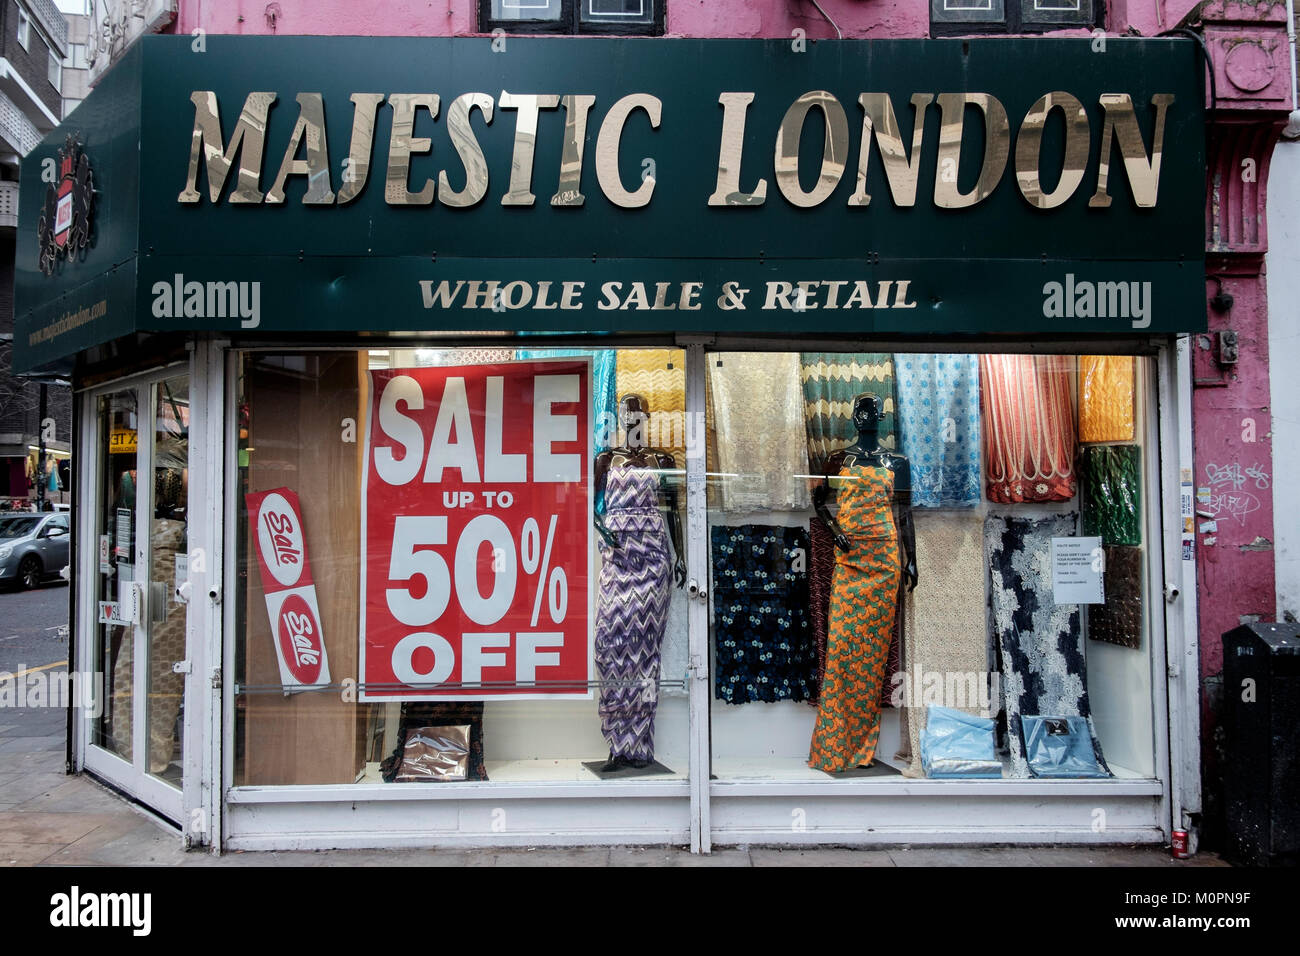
(939, 424)
(763, 640)
(604, 402)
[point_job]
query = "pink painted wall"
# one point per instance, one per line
(778, 18)
(1148, 17)
(328, 17)
(685, 18)
(1234, 461)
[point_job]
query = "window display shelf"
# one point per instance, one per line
(884, 772)
(367, 792)
(570, 770)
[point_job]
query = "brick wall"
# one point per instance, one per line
(32, 64)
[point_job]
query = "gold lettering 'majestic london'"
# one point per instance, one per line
(900, 163)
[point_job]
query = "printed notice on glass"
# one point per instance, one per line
(1077, 566)
(292, 609)
(476, 536)
(122, 533)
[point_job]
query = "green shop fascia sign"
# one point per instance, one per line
(310, 184)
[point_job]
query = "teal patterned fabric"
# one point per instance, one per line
(1110, 476)
(939, 423)
(831, 380)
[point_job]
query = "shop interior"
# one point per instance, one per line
(832, 479)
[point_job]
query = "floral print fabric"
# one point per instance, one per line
(762, 639)
(939, 424)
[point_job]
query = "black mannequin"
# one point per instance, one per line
(867, 451)
(634, 413)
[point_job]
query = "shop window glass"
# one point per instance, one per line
(617, 11)
(1056, 11)
(573, 16)
(304, 420)
(919, 566)
(55, 69)
(961, 11)
(526, 10)
(889, 537)
(949, 17)
(116, 481)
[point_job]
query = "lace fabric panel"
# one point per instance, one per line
(946, 626)
(1044, 672)
(761, 438)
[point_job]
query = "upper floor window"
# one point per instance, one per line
(56, 70)
(953, 17)
(644, 17)
(24, 28)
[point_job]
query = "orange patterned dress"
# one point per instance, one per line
(863, 603)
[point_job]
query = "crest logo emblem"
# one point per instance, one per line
(65, 223)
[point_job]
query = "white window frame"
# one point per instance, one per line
(54, 72)
(24, 28)
(733, 811)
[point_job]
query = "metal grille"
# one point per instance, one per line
(16, 128)
(8, 204)
(51, 20)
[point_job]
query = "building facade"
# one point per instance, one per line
(930, 503)
(35, 42)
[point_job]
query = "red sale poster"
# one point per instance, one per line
(476, 538)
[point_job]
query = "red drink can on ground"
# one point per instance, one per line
(1180, 845)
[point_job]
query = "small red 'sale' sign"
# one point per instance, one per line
(275, 519)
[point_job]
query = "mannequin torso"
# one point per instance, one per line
(866, 452)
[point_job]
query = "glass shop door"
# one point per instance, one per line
(131, 569)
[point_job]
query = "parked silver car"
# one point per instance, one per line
(33, 547)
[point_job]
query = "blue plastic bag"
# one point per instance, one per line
(956, 744)
(1060, 747)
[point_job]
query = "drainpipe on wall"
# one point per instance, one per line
(1235, 569)
(40, 455)
(1292, 130)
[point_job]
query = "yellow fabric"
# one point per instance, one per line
(646, 372)
(1105, 398)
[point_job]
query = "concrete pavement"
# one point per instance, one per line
(49, 819)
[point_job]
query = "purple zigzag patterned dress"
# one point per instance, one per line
(632, 612)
